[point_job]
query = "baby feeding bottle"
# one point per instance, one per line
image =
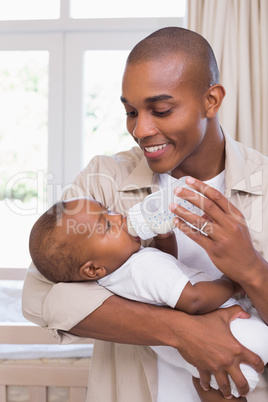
(152, 216)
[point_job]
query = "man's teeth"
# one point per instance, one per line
(156, 148)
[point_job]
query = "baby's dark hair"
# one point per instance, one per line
(53, 256)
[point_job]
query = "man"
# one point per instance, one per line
(172, 95)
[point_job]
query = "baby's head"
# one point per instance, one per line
(80, 240)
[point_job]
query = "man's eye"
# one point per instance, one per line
(162, 114)
(133, 113)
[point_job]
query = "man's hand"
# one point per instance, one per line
(227, 240)
(212, 349)
(223, 233)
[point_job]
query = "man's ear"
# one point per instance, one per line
(91, 272)
(214, 98)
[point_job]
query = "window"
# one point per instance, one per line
(29, 9)
(104, 113)
(122, 9)
(24, 139)
(61, 64)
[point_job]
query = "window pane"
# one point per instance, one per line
(29, 9)
(105, 123)
(122, 9)
(23, 145)
(10, 301)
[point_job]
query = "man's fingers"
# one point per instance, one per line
(240, 382)
(223, 384)
(215, 196)
(255, 361)
(209, 192)
(231, 313)
(204, 380)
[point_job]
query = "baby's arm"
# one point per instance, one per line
(201, 297)
(204, 297)
(167, 243)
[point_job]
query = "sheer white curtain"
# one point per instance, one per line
(238, 33)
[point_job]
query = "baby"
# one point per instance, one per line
(81, 240)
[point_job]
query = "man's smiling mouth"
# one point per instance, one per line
(155, 148)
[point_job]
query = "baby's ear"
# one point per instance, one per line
(91, 272)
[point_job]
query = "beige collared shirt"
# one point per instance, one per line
(119, 182)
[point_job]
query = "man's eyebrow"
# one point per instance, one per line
(151, 99)
(158, 98)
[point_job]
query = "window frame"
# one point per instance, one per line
(53, 44)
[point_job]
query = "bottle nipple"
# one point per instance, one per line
(137, 224)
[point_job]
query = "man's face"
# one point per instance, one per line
(166, 114)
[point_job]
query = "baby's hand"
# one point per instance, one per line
(164, 235)
(167, 242)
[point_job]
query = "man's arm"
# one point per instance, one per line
(115, 319)
(123, 321)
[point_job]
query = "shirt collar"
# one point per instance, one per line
(239, 175)
(140, 177)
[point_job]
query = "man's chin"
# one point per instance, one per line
(156, 167)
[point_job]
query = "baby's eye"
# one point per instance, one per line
(111, 212)
(108, 225)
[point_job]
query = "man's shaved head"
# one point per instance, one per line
(173, 41)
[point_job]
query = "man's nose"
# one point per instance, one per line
(144, 127)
